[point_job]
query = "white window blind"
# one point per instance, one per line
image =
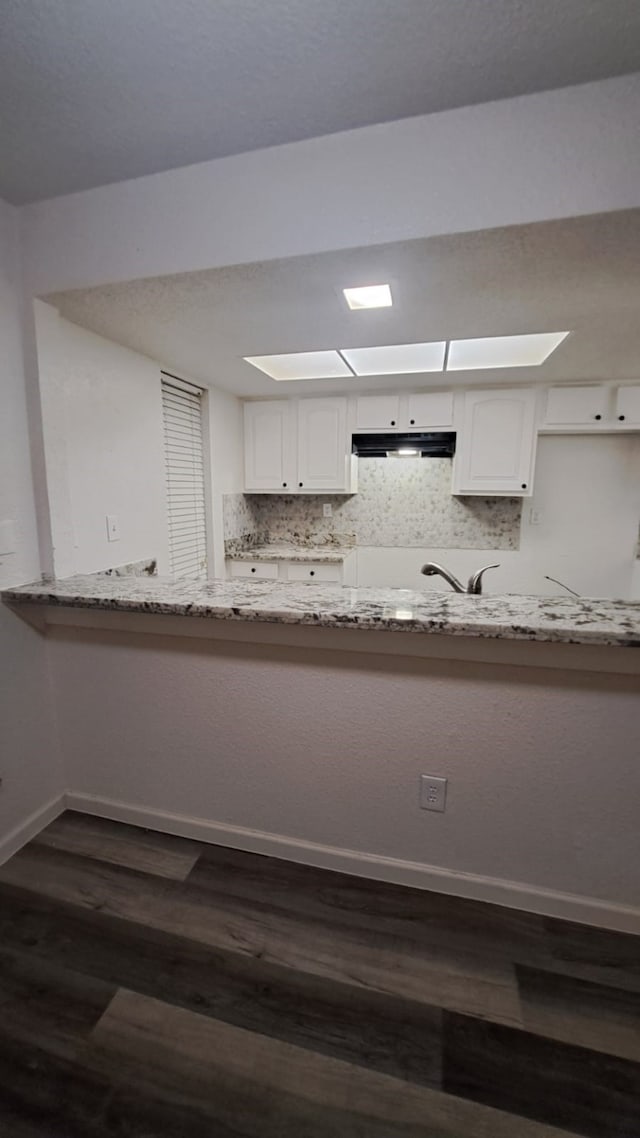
(184, 471)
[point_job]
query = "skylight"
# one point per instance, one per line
(396, 359)
(529, 350)
(371, 296)
(301, 365)
(503, 351)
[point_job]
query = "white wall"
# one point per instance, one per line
(103, 437)
(29, 759)
(552, 154)
(327, 747)
(587, 491)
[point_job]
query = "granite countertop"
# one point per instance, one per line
(283, 551)
(512, 617)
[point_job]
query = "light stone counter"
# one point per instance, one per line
(565, 620)
(283, 551)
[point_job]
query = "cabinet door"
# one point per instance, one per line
(269, 446)
(430, 410)
(496, 446)
(322, 444)
(576, 406)
(377, 412)
(628, 406)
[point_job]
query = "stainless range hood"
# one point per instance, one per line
(427, 444)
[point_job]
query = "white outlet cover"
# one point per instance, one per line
(327, 510)
(433, 792)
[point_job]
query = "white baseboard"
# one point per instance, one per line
(20, 835)
(512, 894)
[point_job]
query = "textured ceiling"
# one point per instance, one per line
(581, 275)
(96, 91)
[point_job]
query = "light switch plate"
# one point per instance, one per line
(433, 792)
(113, 528)
(327, 510)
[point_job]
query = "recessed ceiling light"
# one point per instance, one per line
(372, 296)
(301, 365)
(503, 351)
(396, 359)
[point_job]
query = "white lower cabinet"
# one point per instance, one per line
(315, 572)
(495, 449)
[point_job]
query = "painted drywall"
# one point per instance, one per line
(103, 437)
(554, 154)
(587, 497)
(29, 760)
(327, 747)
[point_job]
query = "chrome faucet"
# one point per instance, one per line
(474, 586)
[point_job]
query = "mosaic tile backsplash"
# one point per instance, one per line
(400, 503)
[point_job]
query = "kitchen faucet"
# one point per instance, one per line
(474, 586)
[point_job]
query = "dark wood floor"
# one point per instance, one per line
(152, 987)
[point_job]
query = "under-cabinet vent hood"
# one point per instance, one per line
(427, 444)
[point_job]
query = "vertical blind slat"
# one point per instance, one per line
(184, 475)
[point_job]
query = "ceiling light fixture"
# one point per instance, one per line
(503, 351)
(396, 359)
(371, 296)
(301, 365)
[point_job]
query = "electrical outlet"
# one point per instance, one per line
(535, 517)
(327, 510)
(433, 792)
(113, 528)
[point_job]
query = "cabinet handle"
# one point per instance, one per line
(253, 568)
(412, 421)
(312, 572)
(299, 483)
(393, 422)
(621, 417)
(597, 416)
(524, 486)
(284, 484)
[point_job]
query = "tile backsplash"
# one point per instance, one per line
(405, 502)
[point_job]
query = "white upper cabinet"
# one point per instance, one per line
(422, 411)
(377, 412)
(322, 444)
(297, 447)
(577, 406)
(627, 406)
(269, 446)
(495, 449)
(429, 410)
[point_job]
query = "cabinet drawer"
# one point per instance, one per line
(264, 569)
(309, 571)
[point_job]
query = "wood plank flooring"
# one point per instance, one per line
(152, 987)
